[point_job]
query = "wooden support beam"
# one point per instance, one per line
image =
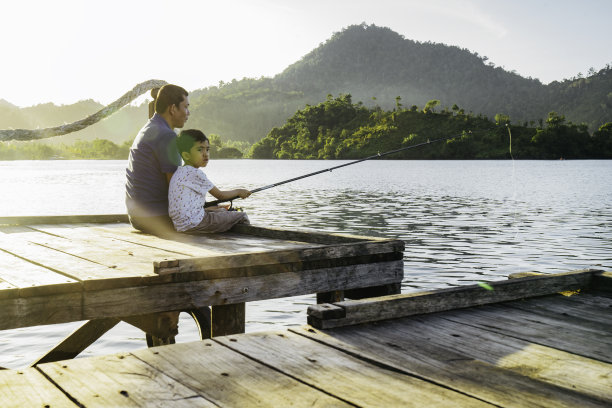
(374, 291)
(228, 319)
(78, 340)
(396, 306)
(199, 293)
(162, 325)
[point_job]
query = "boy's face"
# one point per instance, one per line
(198, 156)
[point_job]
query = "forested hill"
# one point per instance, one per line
(373, 64)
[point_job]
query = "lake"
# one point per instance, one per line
(463, 221)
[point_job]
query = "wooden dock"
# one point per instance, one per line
(542, 341)
(100, 270)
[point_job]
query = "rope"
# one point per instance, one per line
(25, 134)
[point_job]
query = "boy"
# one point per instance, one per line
(188, 188)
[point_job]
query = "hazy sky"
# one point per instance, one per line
(64, 51)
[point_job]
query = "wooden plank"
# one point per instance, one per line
(279, 257)
(223, 243)
(79, 269)
(39, 310)
(583, 340)
(224, 271)
(195, 294)
(396, 306)
(229, 379)
(33, 279)
(125, 261)
(401, 345)
(574, 313)
(120, 380)
(78, 340)
(346, 377)
(544, 364)
(7, 290)
(29, 388)
(64, 219)
(301, 235)
(591, 299)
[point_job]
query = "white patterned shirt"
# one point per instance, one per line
(186, 197)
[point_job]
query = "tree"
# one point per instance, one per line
(429, 106)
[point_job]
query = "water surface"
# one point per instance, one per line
(463, 221)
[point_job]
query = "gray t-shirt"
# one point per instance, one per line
(153, 154)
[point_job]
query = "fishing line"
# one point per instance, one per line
(375, 156)
(513, 178)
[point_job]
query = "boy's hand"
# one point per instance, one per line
(243, 193)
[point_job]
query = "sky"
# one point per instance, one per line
(63, 51)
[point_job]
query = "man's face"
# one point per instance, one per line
(180, 113)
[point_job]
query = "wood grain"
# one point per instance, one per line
(431, 354)
(230, 379)
(120, 380)
(349, 378)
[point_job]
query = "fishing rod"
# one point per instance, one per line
(375, 156)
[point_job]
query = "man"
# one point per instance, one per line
(152, 161)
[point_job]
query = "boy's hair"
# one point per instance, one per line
(189, 137)
(169, 95)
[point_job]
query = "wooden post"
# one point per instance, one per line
(374, 291)
(330, 297)
(154, 92)
(228, 319)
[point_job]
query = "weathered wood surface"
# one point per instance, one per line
(347, 377)
(432, 352)
(67, 268)
(474, 356)
(395, 306)
(29, 388)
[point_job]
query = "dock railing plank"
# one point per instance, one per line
(279, 257)
(394, 306)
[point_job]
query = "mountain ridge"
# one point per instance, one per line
(375, 65)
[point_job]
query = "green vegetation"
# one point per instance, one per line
(340, 129)
(102, 149)
(96, 149)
